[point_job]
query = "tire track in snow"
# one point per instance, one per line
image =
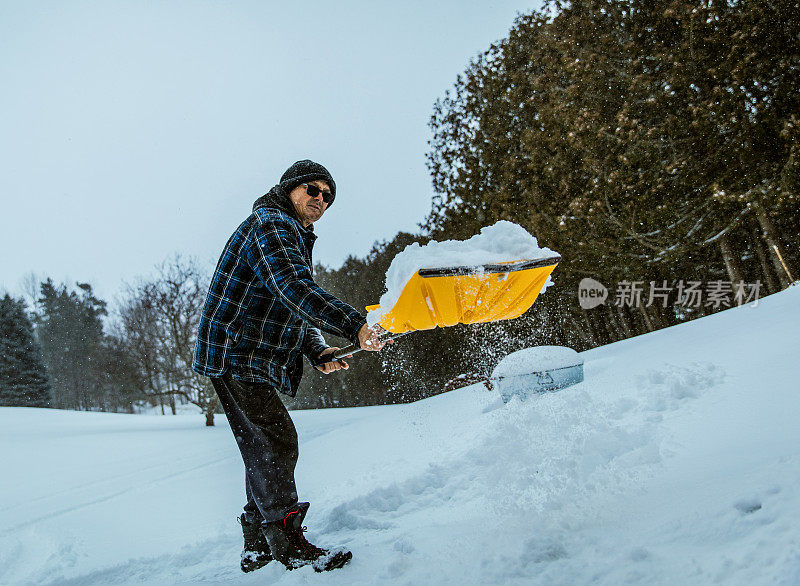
(118, 493)
(212, 561)
(106, 479)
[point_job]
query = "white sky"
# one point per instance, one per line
(130, 131)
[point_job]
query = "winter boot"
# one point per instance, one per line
(256, 552)
(290, 547)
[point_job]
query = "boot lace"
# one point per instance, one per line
(296, 536)
(304, 545)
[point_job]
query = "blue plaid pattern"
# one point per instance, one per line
(263, 310)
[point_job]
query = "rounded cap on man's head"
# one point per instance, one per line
(303, 172)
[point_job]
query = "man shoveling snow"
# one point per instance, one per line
(262, 314)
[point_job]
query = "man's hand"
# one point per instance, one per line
(369, 338)
(333, 366)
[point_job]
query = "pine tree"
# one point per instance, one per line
(23, 378)
(70, 329)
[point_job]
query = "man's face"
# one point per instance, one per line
(310, 209)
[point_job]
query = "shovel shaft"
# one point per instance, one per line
(351, 349)
(346, 351)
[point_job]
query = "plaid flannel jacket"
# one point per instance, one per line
(263, 309)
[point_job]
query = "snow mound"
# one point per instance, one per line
(501, 242)
(537, 370)
(536, 359)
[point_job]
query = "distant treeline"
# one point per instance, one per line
(654, 145)
(69, 353)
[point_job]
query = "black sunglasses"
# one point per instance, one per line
(314, 191)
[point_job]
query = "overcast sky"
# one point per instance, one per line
(130, 131)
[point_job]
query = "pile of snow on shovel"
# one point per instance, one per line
(501, 242)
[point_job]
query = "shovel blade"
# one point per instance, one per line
(445, 296)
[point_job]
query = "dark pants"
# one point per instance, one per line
(267, 440)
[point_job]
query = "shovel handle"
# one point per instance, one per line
(348, 350)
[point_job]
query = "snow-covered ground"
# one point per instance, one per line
(677, 461)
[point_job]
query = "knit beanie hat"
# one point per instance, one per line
(303, 172)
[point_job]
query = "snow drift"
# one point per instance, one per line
(675, 461)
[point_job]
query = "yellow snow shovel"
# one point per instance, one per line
(446, 296)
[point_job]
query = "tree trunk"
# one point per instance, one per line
(769, 278)
(624, 321)
(662, 317)
(593, 338)
(772, 238)
(648, 322)
(600, 329)
(613, 325)
(732, 264)
(607, 321)
(210, 418)
(654, 312)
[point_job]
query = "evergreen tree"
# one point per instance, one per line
(23, 378)
(70, 329)
(359, 282)
(642, 140)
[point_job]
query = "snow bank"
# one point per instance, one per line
(675, 462)
(537, 370)
(501, 242)
(536, 359)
